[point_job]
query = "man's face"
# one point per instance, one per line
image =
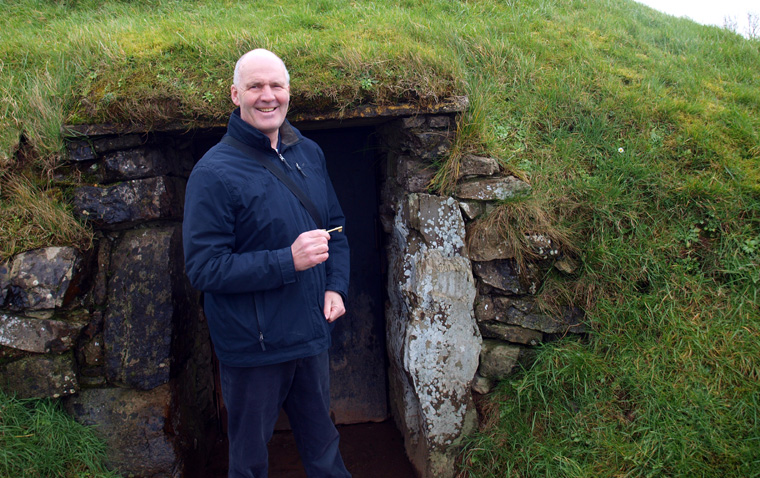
(263, 94)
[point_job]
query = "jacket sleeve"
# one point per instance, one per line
(338, 265)
(208, 235)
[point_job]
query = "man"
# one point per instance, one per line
(273, 281)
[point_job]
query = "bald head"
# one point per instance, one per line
(261, 90)
(252, 56)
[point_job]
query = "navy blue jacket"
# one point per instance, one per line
(239, 224)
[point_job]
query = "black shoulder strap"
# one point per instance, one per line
(267, 163)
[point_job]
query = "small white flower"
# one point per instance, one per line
(621, 150)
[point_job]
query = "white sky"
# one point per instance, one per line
(709, 12)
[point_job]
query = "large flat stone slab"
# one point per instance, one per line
(525, 313)
(40, 376)
(492, 189)
(130, 202)
(433, 340)
(38, 279)
(139, 318)
(37, 335)
(135, 425)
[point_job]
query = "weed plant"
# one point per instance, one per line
(638, 132)
(38, 439)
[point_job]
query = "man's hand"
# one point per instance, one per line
(334, 307)
(310, 249)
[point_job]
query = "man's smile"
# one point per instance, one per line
(266, 110)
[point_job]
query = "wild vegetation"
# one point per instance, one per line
(638, 132)
(38, 439)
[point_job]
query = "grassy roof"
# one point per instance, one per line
(639, 133)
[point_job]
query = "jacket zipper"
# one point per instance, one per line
(298, 166)
(259, 314)
(261, 341)
(282, 158)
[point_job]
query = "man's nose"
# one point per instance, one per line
(266, 93)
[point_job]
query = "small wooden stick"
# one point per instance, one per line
(336, 229)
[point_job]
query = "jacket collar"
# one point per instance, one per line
(242, 131)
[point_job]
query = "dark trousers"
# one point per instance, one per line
(253, 397)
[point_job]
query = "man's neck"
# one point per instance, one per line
(274, 139)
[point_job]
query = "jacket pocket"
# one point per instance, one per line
(232, 323)
(287, 317)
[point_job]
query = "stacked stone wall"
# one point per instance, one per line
(117, 332)
(119, 335)
(461, 315)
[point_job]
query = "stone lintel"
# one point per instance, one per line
(303, 120)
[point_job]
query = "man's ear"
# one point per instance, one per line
(234, 95)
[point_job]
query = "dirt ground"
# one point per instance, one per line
(370, 450)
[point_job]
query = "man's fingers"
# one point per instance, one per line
(316, 233)
(310, 248)
(320, 248)
(334, 306)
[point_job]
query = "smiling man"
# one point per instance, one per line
(273, 279)
(261, 88)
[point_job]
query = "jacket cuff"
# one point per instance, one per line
(339, 288)
(287, 267)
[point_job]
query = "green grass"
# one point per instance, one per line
(34, 213)
(667, 386)
(667, 382)
(38, 439)
(639, 133)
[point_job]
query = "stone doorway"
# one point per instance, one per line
(380, 168)
(358, 356)
(139, 340)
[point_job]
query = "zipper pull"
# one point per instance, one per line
(301, 170)
(261, 340)
(283, 159)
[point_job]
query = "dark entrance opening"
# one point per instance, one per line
(370, 443)
(358, 360)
